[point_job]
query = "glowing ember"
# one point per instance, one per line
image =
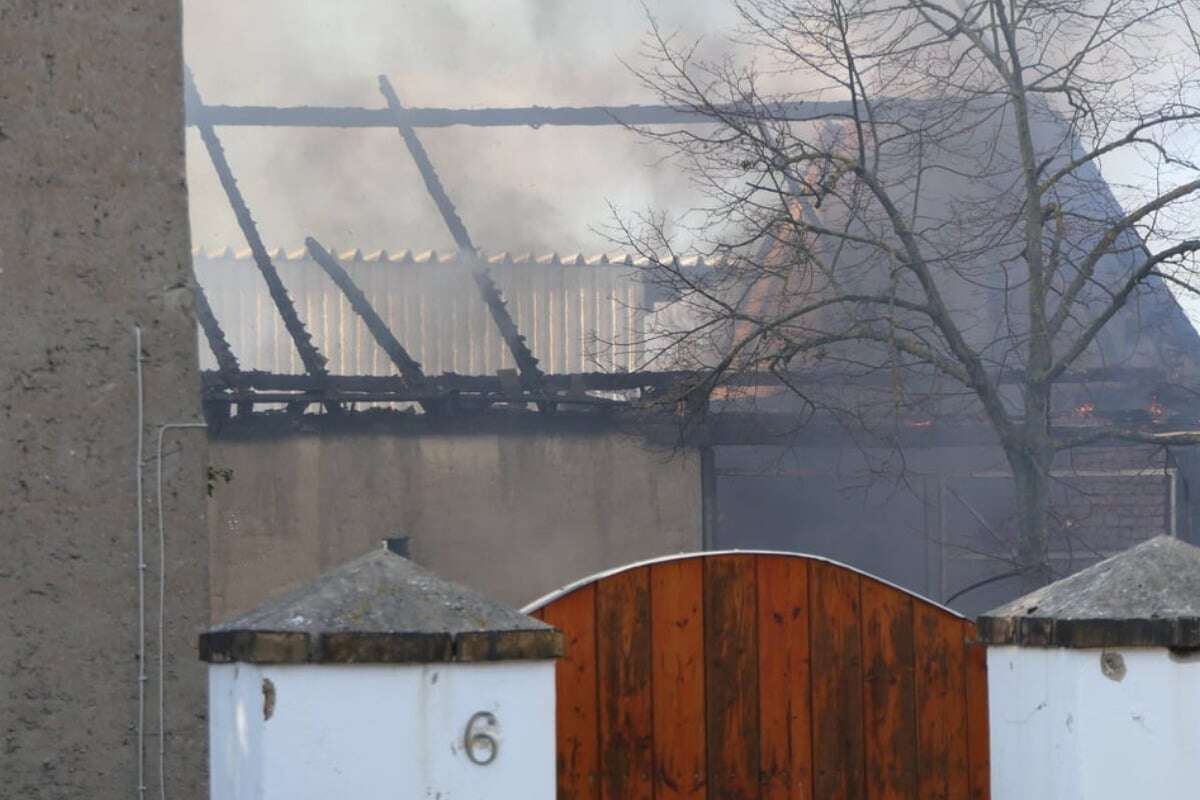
(919, 423)
(1156, 411)
(1085, 410)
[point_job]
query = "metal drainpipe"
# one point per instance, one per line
(162, 579)
(141, 569)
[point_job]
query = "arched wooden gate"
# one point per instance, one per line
(764, 675)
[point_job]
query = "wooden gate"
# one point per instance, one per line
(764, 675)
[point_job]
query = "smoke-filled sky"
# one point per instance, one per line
(517, 189)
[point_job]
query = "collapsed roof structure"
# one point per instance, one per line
(516, 342)
(558, 340)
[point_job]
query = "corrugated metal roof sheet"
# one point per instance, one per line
(579, 313)
(451, 257)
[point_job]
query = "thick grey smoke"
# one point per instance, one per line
(517, 188)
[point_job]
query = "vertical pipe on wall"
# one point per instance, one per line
(141, 565)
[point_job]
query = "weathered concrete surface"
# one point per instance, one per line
(512, 515)
(380, 607)
(93, 240)
(1147, 596)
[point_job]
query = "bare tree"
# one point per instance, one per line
(940, 218)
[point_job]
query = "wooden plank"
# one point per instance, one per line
(941, 705)
(837, 683)
(889, 713)
(575, 689)
(978, 744)
(625, 696)
(785, 714)
(677, 626)
(731, 675)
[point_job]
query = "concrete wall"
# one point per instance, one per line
(514, 515)
(1094, 725)
(381, 731)
(93, 240)
(936, 532)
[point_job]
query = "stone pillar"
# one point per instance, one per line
(1094, 681)
(381, 680)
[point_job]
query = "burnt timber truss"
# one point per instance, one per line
(441, 395)
(231, 386)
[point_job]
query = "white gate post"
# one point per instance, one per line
(381, 680)
(1094, 681)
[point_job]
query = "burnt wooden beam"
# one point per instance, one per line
(575, 382)
(440, 385)
(526, 116)
(227, 363)
(410, 369)
(310, 356)
(720, 429)
(433, 183)
(326, 396)
(532, 377)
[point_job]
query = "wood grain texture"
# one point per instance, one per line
(837, 683)
(731, 676)
(941, 705)
(777, 677)
(978, 740)
(677, 629)
(889, 713)
(575, 692)
(784, 683)
(623, 659)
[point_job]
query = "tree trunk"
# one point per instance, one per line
(1031, 479)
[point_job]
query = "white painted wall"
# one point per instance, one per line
(380, 731)
(1063, 730)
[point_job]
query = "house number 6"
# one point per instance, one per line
(479, 740)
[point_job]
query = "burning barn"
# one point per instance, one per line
(525, 384)
(572, 474)
(507, 421)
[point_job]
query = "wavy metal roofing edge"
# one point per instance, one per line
(448, 257)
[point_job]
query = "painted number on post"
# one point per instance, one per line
(480, 740)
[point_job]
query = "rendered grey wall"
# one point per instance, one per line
(93, 240)
(513, 515)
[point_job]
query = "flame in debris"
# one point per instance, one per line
(1156, 411)
(1085, 410)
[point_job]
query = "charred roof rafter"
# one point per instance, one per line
(526, 117)
(227, 363)
(532, 377)
(310, 356)
(410, 369)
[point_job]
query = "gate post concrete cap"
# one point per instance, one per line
(380, 608)
(1147, 596)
